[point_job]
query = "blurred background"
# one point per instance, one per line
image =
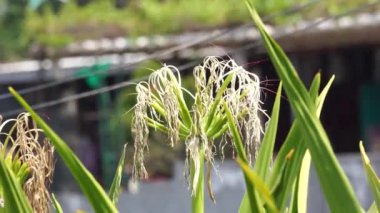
(76, 61)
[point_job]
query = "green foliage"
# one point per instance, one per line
(237, 140)
(53, 24)
(12, 41)
(373, 208)
(292, 163)
(56, 204)
(115, 186)
(340, 197)
(263, 160)
(14, 198)
(265, 155)
(281, 187)
(373, 180)
(262, 189)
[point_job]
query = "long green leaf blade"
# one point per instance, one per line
(282, 181)
(301, 189)
(264, 158)
(90, 187)
(254, 201)
(303, 183)
(266, 151)
(15, 199)
(57, 206)
(277, 173)
(373, 208)
(337, 190)
(259, 185)
(373, 180)
(115, 186)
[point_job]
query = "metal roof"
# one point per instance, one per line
(319, 34)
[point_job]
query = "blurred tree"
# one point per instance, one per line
(56, 5)
(12, 41)
(120, 4)
(34, 4)
(40, 5)
(83, 2)
(53, 24)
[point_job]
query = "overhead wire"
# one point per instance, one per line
(182, 67)
(126, 68)
(316, 23)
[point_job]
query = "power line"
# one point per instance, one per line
(181, 68)
(90, 93)
(154, 55)
(314, 24)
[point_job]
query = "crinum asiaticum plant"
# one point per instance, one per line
(223, 90)
(30, 160)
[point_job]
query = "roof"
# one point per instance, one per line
(315, 35)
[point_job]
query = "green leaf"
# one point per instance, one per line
(253, 200)
(115, 186)
(335, 185)
(15, 199)
(91, 188)
(288, 175)
(373, 180)
(184, 110)
(283, 176)
(259, 184)
(303, 183)
(277, 180)
(373, 208)
(210, 116)
(237, 140)
(264, 158)
(299, 198)
(57, 206)
(266, 150)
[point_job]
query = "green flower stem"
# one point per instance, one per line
(220, 126)
(235, 135)
(156, 125)
(220, 132)
(157, 106)
(183, 110)
(216, 126)
(218, 98)
(197, 198)
(162, 112)
(5, 144)
(161, 127)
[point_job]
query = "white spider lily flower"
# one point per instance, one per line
(218, 83)
(140, 130)
(242, 96)
(167, 87)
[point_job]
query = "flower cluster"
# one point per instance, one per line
(30, 160)
(219, 84)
